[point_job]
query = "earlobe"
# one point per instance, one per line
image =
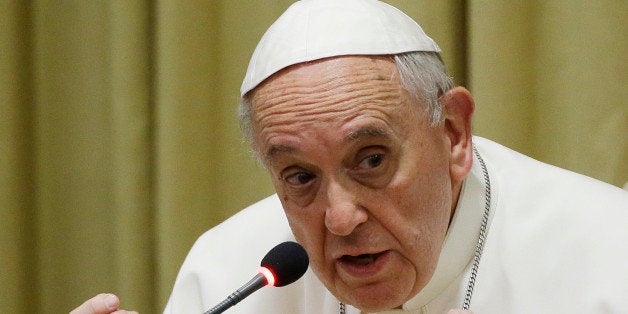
(458, 106)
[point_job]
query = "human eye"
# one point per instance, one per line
(298, 178)
(371, 161)
(374, 166)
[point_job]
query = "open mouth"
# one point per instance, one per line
(362, 259)
(363, 266)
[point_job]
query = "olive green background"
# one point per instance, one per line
(119, 143)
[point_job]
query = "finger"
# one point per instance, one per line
(124, 312)
(103, 303)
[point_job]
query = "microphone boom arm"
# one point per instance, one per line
(253, 285)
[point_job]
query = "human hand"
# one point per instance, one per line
(104, 303)
(459, 312)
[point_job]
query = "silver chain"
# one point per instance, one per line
(481, 238)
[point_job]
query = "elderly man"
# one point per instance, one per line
(369, 147)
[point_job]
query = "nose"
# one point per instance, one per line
(344, 213)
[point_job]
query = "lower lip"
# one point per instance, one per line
(367, 270)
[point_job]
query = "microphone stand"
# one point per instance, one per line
(253, 285)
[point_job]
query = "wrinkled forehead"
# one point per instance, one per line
(335, 93)
(317, 29)
(330, 72)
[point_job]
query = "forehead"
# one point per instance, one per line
(330, 74)
(327, 86)
(341, 93)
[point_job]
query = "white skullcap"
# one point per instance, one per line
(316, 29)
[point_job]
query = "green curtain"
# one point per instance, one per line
(119, 138)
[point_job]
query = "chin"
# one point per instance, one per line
(373, 306)
(377, 300)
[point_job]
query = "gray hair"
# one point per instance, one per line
(422, 74)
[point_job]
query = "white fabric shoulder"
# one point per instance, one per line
(227, 256)
(557, 243)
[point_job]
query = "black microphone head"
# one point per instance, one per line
(288, 261)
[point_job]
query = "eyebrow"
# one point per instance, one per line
(276, 149)
(353, 136)
(367, 131)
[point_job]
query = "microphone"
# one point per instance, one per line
(282, 265)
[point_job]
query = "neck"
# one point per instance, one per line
(455, 194)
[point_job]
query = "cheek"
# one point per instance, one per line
(431, 219)
(431, 183)
(309, 230)
(422, 198)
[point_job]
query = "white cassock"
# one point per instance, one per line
(557, 243)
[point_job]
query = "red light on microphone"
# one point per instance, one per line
(281, 266)
(268, 274)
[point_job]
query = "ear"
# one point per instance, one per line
(458, 106)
